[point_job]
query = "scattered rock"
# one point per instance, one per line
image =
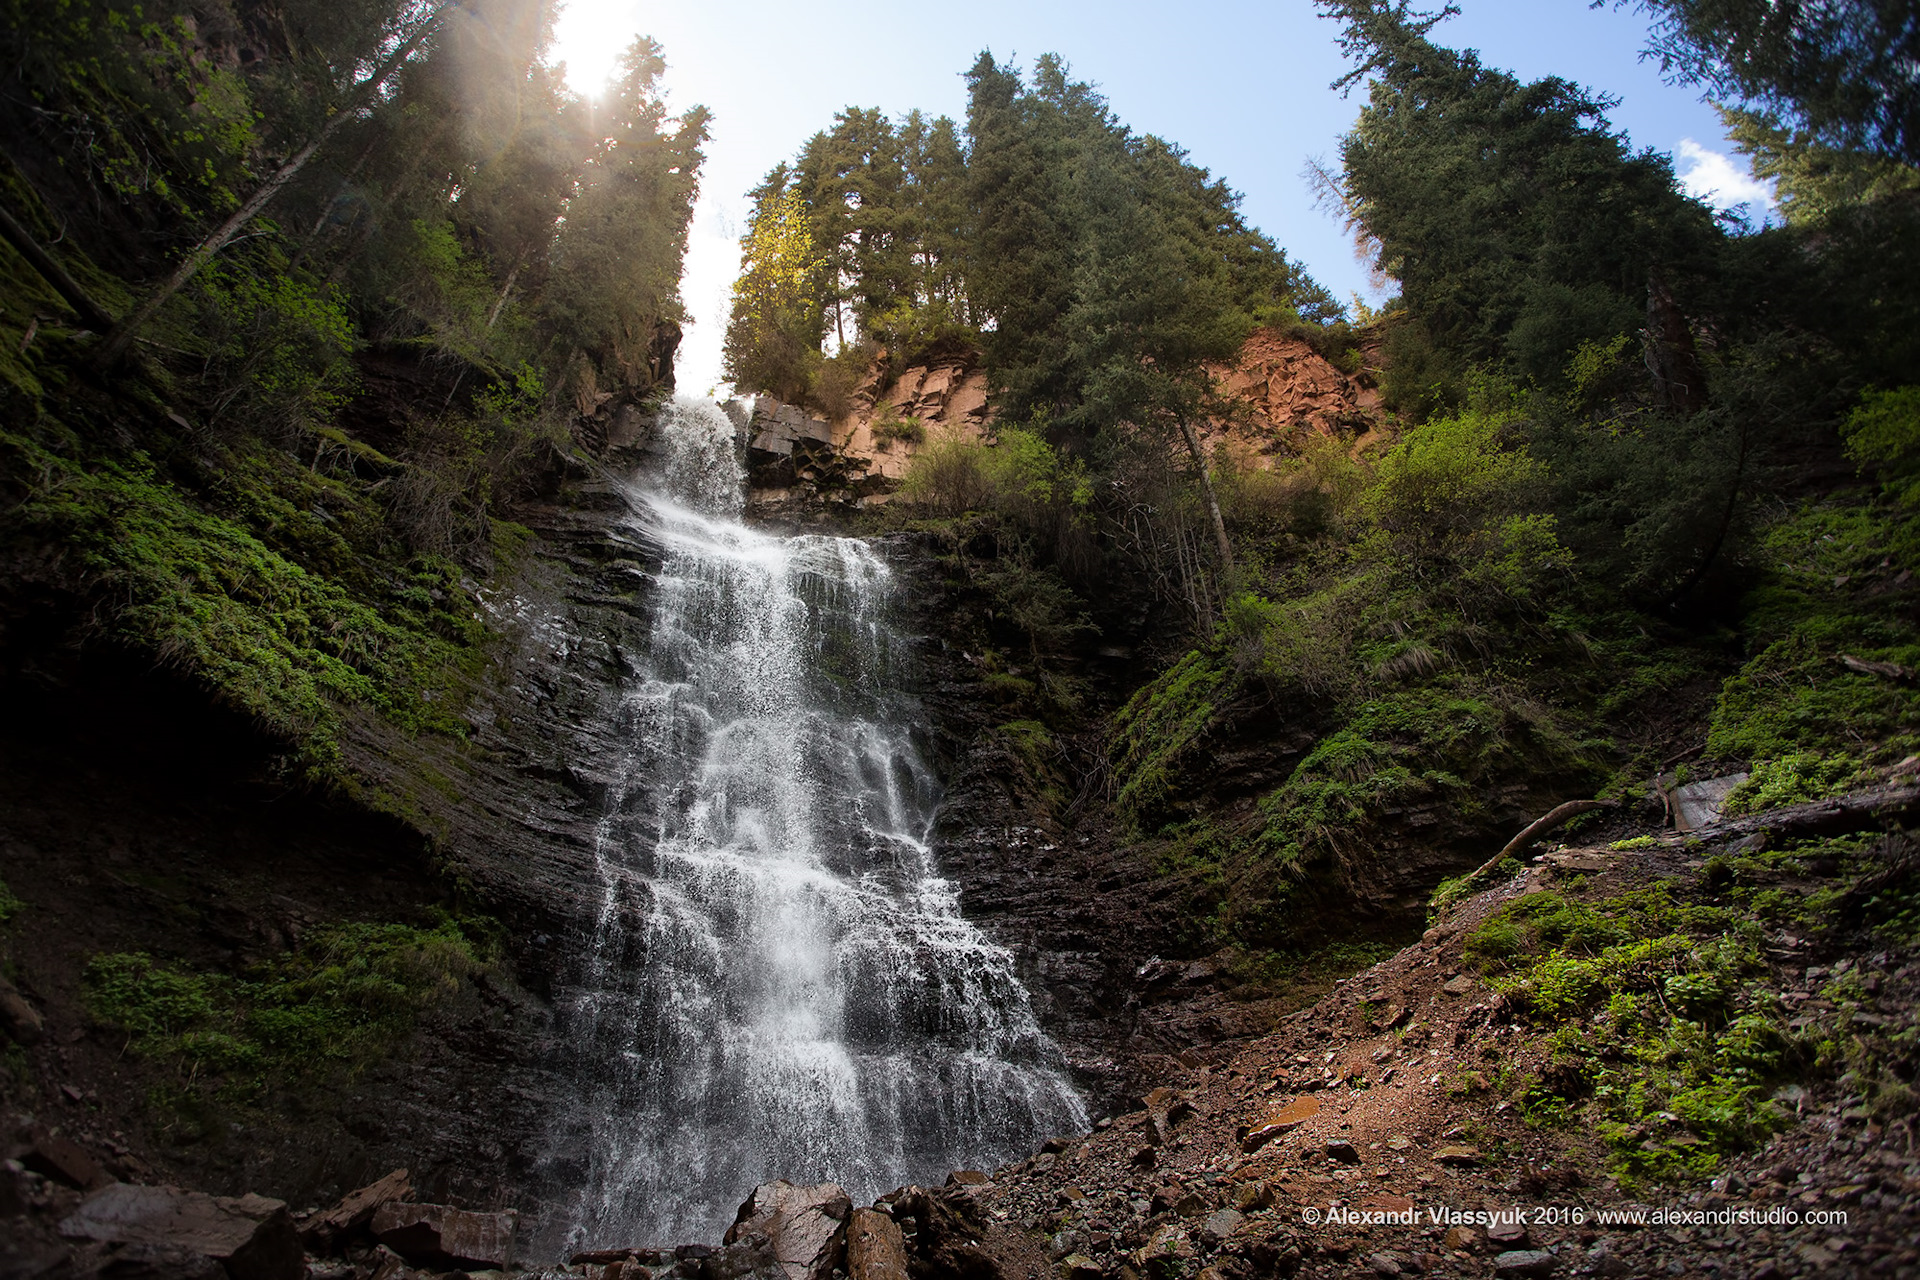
(875, 1248)
(1457, 986)
(324, 1231)
(967, 1178)
(1221, 1225)
(441, 1235)
(1384, 1264)
(64, 1162)
(250, 1237)
(802, 1223)
(1462, 1239)
(1507, 1233)
(1524, 1262)
(1457, 1155)
(1075, 1266)
(1343, 1151)
(1280, 1120)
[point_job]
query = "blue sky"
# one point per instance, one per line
(1243, 86)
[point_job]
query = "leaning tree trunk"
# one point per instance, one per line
(91, 313)
(1213, 501)
(124, 333)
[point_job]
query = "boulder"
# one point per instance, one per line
(19, 1018)
(440, 1235)
(804, 1225)
(876, 1250)
(748, 1259)
(64, 1161)
(324, 1231)
(248, 1237)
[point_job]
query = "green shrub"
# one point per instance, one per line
(1657, 1008)
(891, 431)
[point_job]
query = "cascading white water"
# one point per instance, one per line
(780, 983)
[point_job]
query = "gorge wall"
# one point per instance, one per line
(128, 785)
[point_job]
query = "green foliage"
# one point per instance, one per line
(1843, 70)
(1885, 430)
(1796, 778)
(10, 905)
(891, 431)
(1426, 745)
(1518, 223)
(1819, 600)
(1097, 269)
(1156, 734)
(265, 635)
(278, 348)
(1813, 181)
(348, 995)
(1657, 1009)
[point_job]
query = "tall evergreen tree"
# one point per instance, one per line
(1846, 72)
(1518, 222)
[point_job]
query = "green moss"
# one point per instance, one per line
(1425, 745)
(1832, 589)
(1157, 730)
(1797, 778)
(288, 644)
(1661, 1020)
(348, 995)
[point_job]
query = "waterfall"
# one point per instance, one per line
(779, 983)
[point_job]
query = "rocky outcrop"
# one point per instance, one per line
(443, 1236)
(803, 1227)
(247, 1237)
(1284, 391)
(1290, 393)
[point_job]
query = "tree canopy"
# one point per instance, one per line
(1096, 269)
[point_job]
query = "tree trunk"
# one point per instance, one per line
(123, 335)
(91, 313)
(1213, 502)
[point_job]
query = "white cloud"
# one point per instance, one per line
(1717, 179)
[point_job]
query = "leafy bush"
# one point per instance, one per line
(278, 348)
(891, 431)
